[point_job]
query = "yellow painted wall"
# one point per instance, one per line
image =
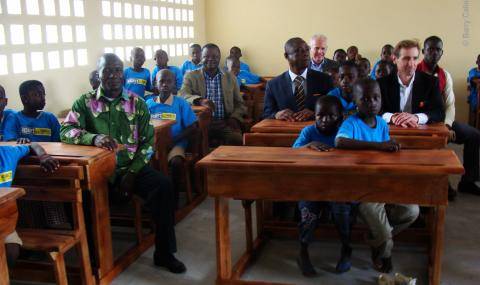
(260, 28)
(65, 84)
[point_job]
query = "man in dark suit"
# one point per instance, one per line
(291, 96)
(409, 97)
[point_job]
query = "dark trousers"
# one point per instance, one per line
(343, 217)
(470, 138)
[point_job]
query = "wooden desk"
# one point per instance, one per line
(432, 136)
(98, 165)
(162, 143)
(8, 222)
(409, 176)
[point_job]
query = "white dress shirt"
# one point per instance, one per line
(406, 102)
(293, 76)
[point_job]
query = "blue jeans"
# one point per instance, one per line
(343, 216)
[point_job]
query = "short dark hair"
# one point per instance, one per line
(330, 100)
(389, 46)
(28, 86)
(235, 47)
(434, 39)
(290, 42)
(363, 82)
(365, 59)
(350, 64)
(210, 46)
(192, 46)
(339, 50)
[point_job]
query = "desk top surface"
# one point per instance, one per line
(9, 193)
(79, 153)
(439, 161)
(280, 126)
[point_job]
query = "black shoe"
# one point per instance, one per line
(381, 264)
(170, 262)
(452, 193)
(468, 187)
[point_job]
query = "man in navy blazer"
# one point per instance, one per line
(409, 97)
(280, 101)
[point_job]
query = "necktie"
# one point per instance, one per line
(299, 93)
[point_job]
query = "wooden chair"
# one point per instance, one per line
(61, 186)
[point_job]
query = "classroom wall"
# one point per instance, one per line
(64, 85)
(260, 28)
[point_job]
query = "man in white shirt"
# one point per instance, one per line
(409, 97)
(459, 133)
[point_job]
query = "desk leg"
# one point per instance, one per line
(259, 216)
(3, 264)
(437, 245)
(247, 208)
(224, 254)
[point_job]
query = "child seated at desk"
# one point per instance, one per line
(348, 74)
(161, 61)
(473, 83)
(32, 124)
(195, 61)
(10, 155)
(384, 68)
(4, 113)
(363, 66)
(232, 64)
(136, 78)
(321, 136)
(167, 106)
(340, 56)
(368, 131)
(237, 53)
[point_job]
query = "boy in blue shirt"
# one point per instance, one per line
(194, 63)
(10, 155)
(366, 130)
(340, 56)
(232, 65)
(32, 124)
(385, 55)
(137, 78)
(4, 113)
(237, 52)
(321, 137)
(348, 74)
(167, 106)
(161, 59)
(473, 82)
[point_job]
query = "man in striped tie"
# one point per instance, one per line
(291, 96)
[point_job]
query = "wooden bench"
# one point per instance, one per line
(8, 222)
(62, 186)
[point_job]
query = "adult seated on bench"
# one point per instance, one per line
(111, 117)
(292, 95)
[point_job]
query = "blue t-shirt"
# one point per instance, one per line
(244, 66)
(137, 82)
(9, 157)
(245, 78)
(374, 69)
(3, 119)
(349, 108)
(188, 66)
(472, 98)
(310, 134)
(175, 70)
(44, 128)
(179, 110)
(355, 128)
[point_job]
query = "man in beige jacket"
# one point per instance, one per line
(217, 90)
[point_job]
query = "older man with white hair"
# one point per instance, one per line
(318, 49)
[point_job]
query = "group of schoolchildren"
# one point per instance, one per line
(347, 119)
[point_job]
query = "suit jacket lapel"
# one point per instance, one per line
(396, 93)
(287, 86)
(224, 83)
(202, 86)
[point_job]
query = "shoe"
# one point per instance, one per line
(381, 264)
(170, 262)
(468, 187)
(452, 193)
(404, 280)
(344, 264)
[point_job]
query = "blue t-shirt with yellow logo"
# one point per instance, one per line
(3, 119)
(175, 108)
(44, 128)
(349, 108)
(9, 157)
(356, 129)
(137, 82)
